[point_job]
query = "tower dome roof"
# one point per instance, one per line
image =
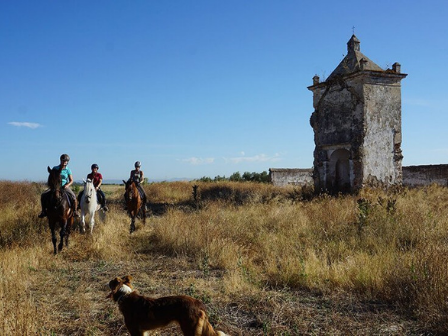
(354, 61)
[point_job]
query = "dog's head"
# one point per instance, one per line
(119, 287)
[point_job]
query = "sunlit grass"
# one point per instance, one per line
(376, 246)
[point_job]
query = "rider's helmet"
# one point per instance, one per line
(137, 164)
(94, 166)
(65, 157)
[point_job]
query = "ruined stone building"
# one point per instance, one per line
(357, 124)
(357, 131)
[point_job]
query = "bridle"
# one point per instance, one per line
(131, 192)
(54, 183)
(88, 195)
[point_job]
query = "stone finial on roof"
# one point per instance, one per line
(396, 67)
(353, 44)
(362, 63)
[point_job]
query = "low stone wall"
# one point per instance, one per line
(291, 176)
(414, 176)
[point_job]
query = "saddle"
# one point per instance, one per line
(69, 199)
(140, 191)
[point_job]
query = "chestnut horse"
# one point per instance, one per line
(134, 203)
(59, 212)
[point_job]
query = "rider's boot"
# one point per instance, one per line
(43, 205)
(75, 210)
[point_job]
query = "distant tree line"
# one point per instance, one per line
(262, 177)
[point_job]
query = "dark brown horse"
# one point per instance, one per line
(59, 212)
(134, 203)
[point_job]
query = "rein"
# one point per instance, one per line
(88, 195)
(59, 194)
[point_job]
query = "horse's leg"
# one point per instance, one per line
(68, 230)
(132, 224)
(53, 238)
(83, 221)
(92, 221)
(62, 234)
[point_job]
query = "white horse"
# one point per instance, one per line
(89, 205)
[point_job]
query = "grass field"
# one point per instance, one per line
(264, 260)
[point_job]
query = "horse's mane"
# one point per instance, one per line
(89, 184)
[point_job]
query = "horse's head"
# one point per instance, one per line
(54, 178)
(54, 182)
(130, 189)
(89, 190)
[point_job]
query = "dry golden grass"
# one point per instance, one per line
(264, 261)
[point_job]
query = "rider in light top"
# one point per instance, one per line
(97, 179)
(66, 182)
(138, 176)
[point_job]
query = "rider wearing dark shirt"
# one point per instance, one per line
(138, 177)
(97, 180)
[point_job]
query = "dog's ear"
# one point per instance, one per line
(114, 284)
(127, 280)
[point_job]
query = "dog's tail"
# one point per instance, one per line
(204, 328)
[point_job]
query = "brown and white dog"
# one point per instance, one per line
(142, 313)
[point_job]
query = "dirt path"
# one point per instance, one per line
(75, 295)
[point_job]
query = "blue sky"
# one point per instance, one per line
(201, 88)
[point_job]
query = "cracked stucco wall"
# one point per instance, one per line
(361, 114)
(381, 150)
(291, 176)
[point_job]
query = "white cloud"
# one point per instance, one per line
(198, 161)
(25, 124)
(255, 158)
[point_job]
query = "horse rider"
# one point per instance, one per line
(138, 177)
(67, 181)
(97, 180)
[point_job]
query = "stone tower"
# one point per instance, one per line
(357, 125)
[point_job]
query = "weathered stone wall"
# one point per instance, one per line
(381, 163)
(338, 125)
(284, 176)
(414, 176)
